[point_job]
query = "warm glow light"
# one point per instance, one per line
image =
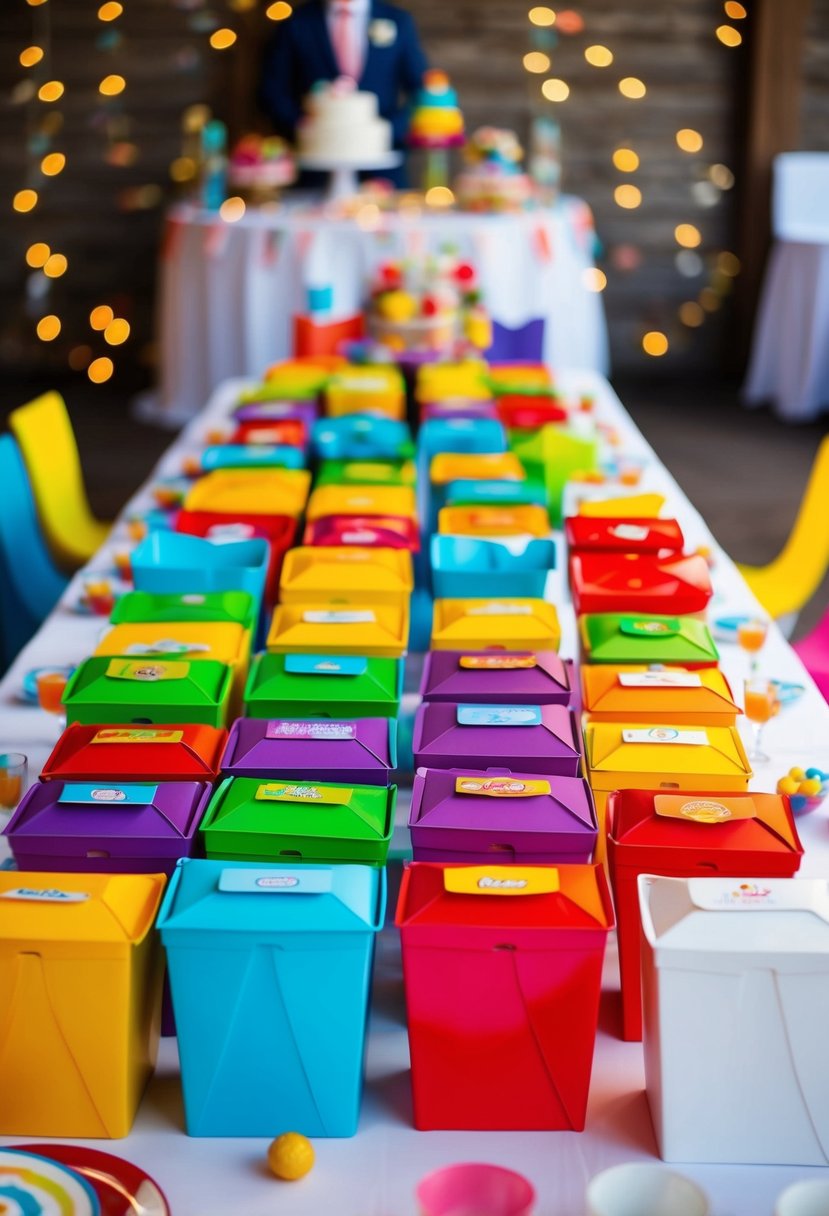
(101, 316)
(37, 255)
(691, 314)
(232, 209)
(734, 10)
(79, 357)
(55, 265)
(278, 11)
(569, 21)
(31, 56)
(25, 200)
(53, 164)
(111, 86)
(625, 160)
(48, 328)
(52, 90)
(594, 279)
(195, 117)
(221, 39)
(728, 264)
(555, 89)
(688, 236)
(598, 56)
(721, 176)
(655, 343)
(439, 196)
(117, 331)
(100, 370)
(540, 15)
(689, 140)
(632, 86)
(728, 36)
(110, 10)
(627, 196)
(183, 169)
(35, 3)
(709, 299)
(537, 61)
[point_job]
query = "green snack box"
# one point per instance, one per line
(296, 821)
(144, 607)
(118, 691)
(366, 473)
(613, 637)
(323, 685)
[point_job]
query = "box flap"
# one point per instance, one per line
(312, 810)
(41, 909)
(663, 749)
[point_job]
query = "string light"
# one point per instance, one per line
(569, 21)
(117, 331)
(110, 11)
(632, 87)
(221, 39)
(594, 279)
(53, 164)
(688, 236)
(728, 264)
(655, 343)
(37, 255)
(734, 10)
(555, 89)
(626, 160)
(183, 169)
(598, 56)
(35, 3)
(55, 265)
(541, 15)
(101, 316)
(627, 196)
(52, 90)
(439, 196)
(691, 314)
(25, 200)
(30, 56)
(48, 328)
(721, 176)
(689, 140)
(709, 299)
(728, 36)
(537, 61)
(100, 370)
(278, 11)
(112, 85)
(232, 209)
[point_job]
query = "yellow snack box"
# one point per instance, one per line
(437, 381)
(529, 519)
(631, 506)
(251, 492)
(472, 466)
(351, 573)
(362, 500)
(366, 390)
(337, 627)
(509, 624)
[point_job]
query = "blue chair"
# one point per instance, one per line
(30, 585)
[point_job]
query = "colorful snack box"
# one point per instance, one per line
(146, 607)
(486, 493)
(376, 389)
(437, 381)
(366, 473)
(362, 500)
(251, 492)
(179, 752)
(672, 695)
(361, 752)
(625, 506)
(264, 412)
(251, 456)
(515, 952)
(530, 520)
(633, 582)
(466, 566)
(380, 630)
(300, 378)
(492, 677)
(143, 691)
(360, 437)
(524, 738)
(510, 624)
(382, 531)
(223, 641)
(621, 639)
(281, 432)
(661, 537)
(353, 573)
(452, 408)
(168, 562)
(278, 530)
(345, 686)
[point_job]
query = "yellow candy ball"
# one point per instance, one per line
(290, 1156)
(797, 773)
(810, 787)
(787, 785)
(397, 306)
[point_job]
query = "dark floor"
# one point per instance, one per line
(745, 471)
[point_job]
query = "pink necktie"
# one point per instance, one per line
(345, 41)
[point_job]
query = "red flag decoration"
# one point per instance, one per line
(171, 240)
(543, 246)
(216, 238)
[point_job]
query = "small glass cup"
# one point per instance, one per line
(99, 595)
(122, 559)
(50, 688)
(751, 636)
(136, 528)
(14, 769)
(761, 704)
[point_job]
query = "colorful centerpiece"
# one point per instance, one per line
(432, 306)
(260, 166)
(437, 122)
(493, 179)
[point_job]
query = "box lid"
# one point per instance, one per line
(624, 506)
(223, 641)
(254, 405)
(42, 909)
(613, 749)
(366, 473)
(309, 811)
(251, 491)
(323, 680)
(494, 675)
(251, 455)
(529, 519)
(467, 466)
(287, 433)
(319, 746)
(508, 622)
(144, 606)
(475, 800)
(362, 500)
(615, 637)
(77, 819)
(485, 493)
(181, 752)
(243, 897)
(339, 627)
(180, 553)
(537, 897)
(135, 682)
(662, 690)
(279, 530)
(495, 731)
(631, 535)
(330, 570)
(361, 437)
(634, 581)
(478, 555)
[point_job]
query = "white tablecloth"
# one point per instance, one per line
(375, 1173)
(789, 364)
(229, 291)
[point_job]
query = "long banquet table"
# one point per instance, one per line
(375, 1173)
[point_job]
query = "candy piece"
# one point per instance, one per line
(799, 774)
(810, 787)
(290, 1156)
(397, 306)
(787, 785)
(814, 772)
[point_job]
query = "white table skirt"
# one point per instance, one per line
(789, 364)
(375, 1173)
(229, 291)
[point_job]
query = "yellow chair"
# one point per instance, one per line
(786, 584)
(47, 442)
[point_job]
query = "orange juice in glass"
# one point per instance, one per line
(751, 636)
(136, 528)
(123, 564)
(50, 687)
(761, 705)
(13, 769)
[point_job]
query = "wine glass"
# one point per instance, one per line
(13, 771)
(50, 689)
(751, 636)
(761, 704)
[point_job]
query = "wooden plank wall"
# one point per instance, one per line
(692, 82)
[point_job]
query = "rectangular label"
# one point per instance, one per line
(704, 810)
(362, 616)
(284, 791)
(633, 532)
(496, 608)
(369, 471)
(45, 895)
(325, 665)
(137, 734)
(660, 679)
(149, 672)
(310, 730)
(666, 734)
(760, 895)
(167, 646)
(500, 880)
(305, 880)
(497, 662)
(499, 715)
(501, 787)
(668, 627)
(101, 794)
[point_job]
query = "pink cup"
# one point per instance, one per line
(475, 1190)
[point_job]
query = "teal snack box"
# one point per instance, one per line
(210, 607)
(282, 822)
(481, 492)
(270, 969)
(323, 685)
(105, 690)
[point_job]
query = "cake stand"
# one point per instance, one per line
(343, 180)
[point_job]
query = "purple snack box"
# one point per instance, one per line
(444, 679)
(458, 407)
(481, 815)
(362, 751)
(107, 827)
(276, 411)
(529, 738)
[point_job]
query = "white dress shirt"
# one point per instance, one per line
(359, 10)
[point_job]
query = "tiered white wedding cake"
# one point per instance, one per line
(342, 126)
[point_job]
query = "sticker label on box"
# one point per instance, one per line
(370, 472)
(497, 662)
(45, 895)
(500, 880)
(361, 617)
(219, 533)
(310, 730)
(325, 665)
(367, 537)
(704, 810)
(632, 532)
(666, 734)
(98, 794)
(123, 669)
(499, 715)
(760, 895)
(494, 608)
(321, 795)
(137, 734)
(501, 787)
(660, 679)
(168, 646)
(668, 627)
(305, 881)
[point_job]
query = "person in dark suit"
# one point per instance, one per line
(374, 43)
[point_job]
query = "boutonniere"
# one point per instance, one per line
(382, 32)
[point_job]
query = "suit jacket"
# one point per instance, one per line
(300, 53)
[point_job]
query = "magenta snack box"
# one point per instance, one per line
(106, 826)
(496, 677)
(480, 816)
(363, 750)
(527, 738)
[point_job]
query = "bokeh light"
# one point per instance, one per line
(117, 331)
(30, 56)
(25, 200)
(598, 56)
(728, 264)
(728, 36)
(112, 85)
(55, 265)
(110, 11)
(632, 87)
(709, 299)
(689, 140)
(100, 370)
(278, 11)
(183, 169)
(541, 15)
(688, 236)
(221, 39)
(52, 90)
(569, 21)
(721, 176)
(537, 61)
(627, 196)
(48, 328)
(626, 160)
(439, 196)
(594, 279)
(691, 314)
(53, 164)
(232, 209)
(734, 10)
(101, 316)
(555, 89)
(37, 255)
(655, 343)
